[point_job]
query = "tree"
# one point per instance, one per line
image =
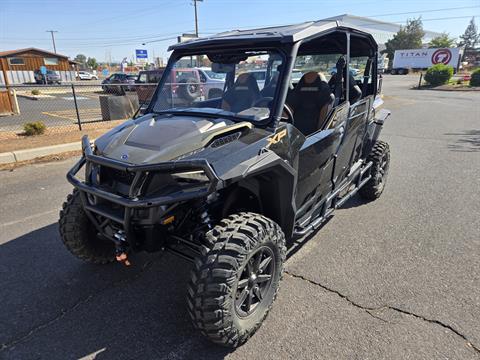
(470, 37)
(80, 58)
(408, 37)
(92, 63)
(442, 41)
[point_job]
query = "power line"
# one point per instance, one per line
(431, 10)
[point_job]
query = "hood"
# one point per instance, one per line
(163, 138)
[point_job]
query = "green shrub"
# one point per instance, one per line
(475, 79)
(35, 92)
(438, 74)
(34, 128)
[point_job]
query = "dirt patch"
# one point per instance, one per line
(42, 159)
(53, 136)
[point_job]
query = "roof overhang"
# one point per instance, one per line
(17, 52)
(268, 37)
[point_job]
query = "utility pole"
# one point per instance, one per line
(196, 29)
(53, 39)
(196, 16)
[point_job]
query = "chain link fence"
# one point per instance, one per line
(72, 107)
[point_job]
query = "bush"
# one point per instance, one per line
(475, 78)
(35, 92)
(34, 128)
(438, 74)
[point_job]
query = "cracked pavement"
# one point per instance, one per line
(393, 279)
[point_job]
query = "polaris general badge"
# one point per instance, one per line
(229, 181)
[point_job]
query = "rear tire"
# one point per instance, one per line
(380, 156)
(79, 235)
(234, 283)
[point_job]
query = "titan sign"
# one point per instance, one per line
(424, 58)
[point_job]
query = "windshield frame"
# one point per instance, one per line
(279, 97)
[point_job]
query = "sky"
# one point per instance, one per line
(114, 29)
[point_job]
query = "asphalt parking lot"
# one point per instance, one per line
(393, 279)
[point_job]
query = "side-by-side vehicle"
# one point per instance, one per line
(229, 182)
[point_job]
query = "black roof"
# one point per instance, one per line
(277, 34)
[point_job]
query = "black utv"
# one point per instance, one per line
(230, 182)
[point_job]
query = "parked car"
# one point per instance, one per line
(85, 75)
(353, 71)
(229, 183)
(213, 83)
(147, 81)
(52, 77)
(184, 84)
(114, 83)
(296, 76)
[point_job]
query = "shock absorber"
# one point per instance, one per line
(205, 218)
(204, 211)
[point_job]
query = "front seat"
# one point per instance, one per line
(242, 95)
(269, 89)
(311, 101)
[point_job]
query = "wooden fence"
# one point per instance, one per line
(6, 105)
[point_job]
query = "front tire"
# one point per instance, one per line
(79, 235)
(380, 156)
(234, 283)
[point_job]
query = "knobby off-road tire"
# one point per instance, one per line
(80, 236)
(380, 156)
(238, 258)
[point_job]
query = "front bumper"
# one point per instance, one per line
(140, 171)
(136, 208)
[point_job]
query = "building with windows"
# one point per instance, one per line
(18, 66)
(382, 31)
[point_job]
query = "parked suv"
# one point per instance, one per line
(147, 81)
(113, 83)
(184, 84)
(213, 83)
(52, 77)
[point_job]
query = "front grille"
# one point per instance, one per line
(110, 176)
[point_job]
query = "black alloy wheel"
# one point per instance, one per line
(255, 281)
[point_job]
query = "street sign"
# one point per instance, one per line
(141, 54)
(43, 70)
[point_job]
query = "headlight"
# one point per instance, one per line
(191, 176)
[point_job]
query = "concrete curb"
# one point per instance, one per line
(29, 154)
(35, 97)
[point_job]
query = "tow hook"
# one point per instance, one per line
(122, 257)
(120, 248)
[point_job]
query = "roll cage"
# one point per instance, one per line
(314, 38)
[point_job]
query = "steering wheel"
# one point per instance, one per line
(287, 114)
